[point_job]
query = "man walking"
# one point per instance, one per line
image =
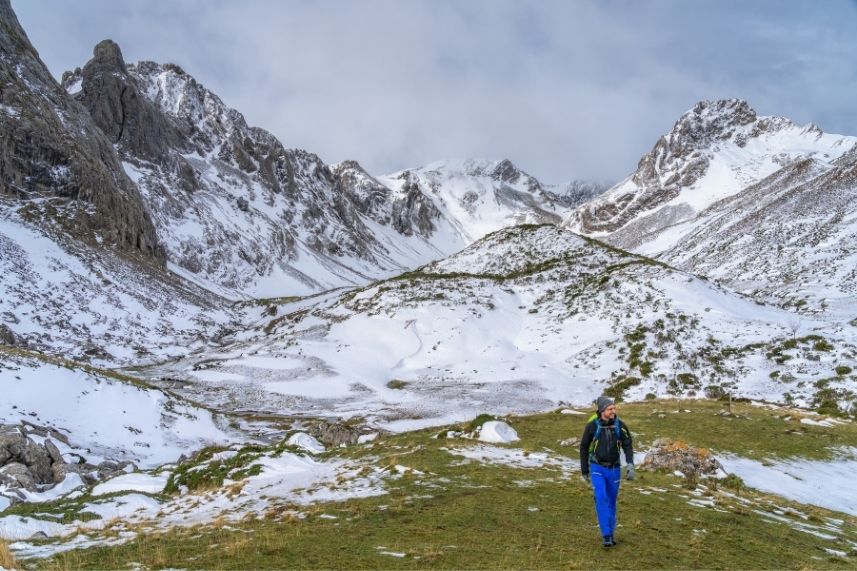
(600, 465)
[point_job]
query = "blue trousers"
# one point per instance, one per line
(605, 485)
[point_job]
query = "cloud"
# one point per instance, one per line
(564, 89)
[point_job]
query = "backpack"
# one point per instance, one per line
(617, 428)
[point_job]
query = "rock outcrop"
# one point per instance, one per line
(673, 456)
(56, 165)
(27, 465)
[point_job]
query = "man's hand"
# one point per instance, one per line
(629, 472)
(586, 480)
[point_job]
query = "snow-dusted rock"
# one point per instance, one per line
(497, 432)
(306, 442)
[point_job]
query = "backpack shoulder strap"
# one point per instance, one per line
(594, 419)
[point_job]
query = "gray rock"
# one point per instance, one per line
(44, 431)
(17, 475)
(58, 472)
(12, 443)
(50, 147)
(414, 211)
(109, 468)
(88, 472)
(334, 434)
(53, 452)
(38, 462)
(9, 338)
(113, 99)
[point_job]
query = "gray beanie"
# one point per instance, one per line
(603, 402)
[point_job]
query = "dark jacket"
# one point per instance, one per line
(606, 450)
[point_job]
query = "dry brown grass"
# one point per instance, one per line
(7, 560)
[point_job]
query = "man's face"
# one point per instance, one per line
(609, 413)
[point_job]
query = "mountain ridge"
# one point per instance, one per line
(284, 222)
(713, 151)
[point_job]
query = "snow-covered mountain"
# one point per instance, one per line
(242, 215)
(758, 203)
(523, 318)
(714, 151)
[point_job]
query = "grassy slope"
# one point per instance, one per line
(460, 514)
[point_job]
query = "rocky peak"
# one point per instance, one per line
(505, 171)
(718, 119)
(369, 196)
(115, 102)
(106, 56)
(677, 161)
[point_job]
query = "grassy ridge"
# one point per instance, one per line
(450, 512)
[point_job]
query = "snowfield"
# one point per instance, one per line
(523, 319)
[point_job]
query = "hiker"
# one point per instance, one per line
(600, 465)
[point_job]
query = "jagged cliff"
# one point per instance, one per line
(56, 165)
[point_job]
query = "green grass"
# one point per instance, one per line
(203, 473)
(468, 514)
(66, 511)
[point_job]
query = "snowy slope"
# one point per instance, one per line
(524, 318)
(102, 417)
(60, 296)
(788, 239)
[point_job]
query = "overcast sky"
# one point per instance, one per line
(566, 89)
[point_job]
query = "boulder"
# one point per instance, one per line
(334, 434)
(11, 443)
(58, 472)
(38, 461)
(498, 432)
(53, 452)
(17, 475)
(672, 455)
(87, 472)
